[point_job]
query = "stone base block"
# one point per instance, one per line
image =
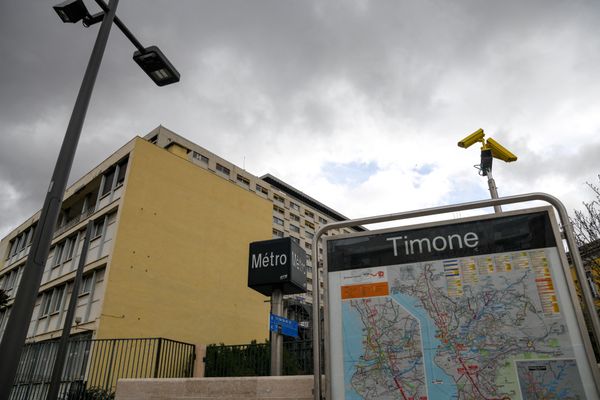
(238, 388)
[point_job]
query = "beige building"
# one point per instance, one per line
(168, 257)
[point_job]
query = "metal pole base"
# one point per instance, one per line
(276, 338)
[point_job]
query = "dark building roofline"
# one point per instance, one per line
(284, 187)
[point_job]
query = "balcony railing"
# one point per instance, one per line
(74, 221)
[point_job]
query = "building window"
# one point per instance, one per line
(222, 169)
(294, 217)
(58, 250)
(11, 247)
(9, 280)
(108, 181)
(15, 246)
(56, 300)
(4, 313)
(261, 189)
(279, 209)
(278, 221)
(278, 198)
(86, 284)
(309, 235)
(294, 228)
(322, 220)
(45, 307)
(243, 180)
(277, 233)
(199, 157)
(308, 245)
(122, 170)
(294, 206)
(69, 247)
(22, 241)
(30, 235)
(18, 243)
(309, 214)
(309, 224)
(98, 227)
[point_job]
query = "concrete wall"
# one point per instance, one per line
(244, 388)
(179, 263)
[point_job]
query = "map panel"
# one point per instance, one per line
(464, 328)
(550, 380)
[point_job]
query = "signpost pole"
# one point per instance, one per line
(276, 337)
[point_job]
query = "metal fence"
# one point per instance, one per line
(254, 359)
(92, 367)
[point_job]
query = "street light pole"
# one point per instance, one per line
(18, 323)
(63, 343)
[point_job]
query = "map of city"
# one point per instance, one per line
(484, 327)
(549, 379)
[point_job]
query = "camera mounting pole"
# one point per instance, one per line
(488, 172)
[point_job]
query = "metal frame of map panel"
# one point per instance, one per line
(570, 289)
(569, 238)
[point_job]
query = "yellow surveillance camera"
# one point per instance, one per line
(473, 138)
(499, 151)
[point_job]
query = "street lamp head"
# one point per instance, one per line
(156, 65)
(71, 10)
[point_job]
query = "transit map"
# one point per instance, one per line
(487, 326)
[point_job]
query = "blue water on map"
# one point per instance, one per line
(444, 387)
(353, 347)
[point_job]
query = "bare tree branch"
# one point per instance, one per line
(586, 225)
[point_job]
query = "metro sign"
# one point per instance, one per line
(277, 264)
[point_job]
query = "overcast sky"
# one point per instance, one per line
(357, 103)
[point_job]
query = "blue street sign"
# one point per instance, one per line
(283, 326)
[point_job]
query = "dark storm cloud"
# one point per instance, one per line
(570, 164)
(250, 69)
